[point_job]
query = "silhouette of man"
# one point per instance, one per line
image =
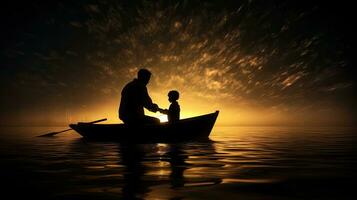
(134, 98)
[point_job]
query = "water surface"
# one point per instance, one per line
(239, 163)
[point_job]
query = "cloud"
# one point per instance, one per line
(248, 55)
(291, 79)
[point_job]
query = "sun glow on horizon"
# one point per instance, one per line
(162, 118)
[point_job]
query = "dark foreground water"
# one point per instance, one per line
(239, 163)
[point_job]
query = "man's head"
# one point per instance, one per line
(144, 76)
(173, 95)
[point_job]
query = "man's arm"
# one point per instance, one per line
(148, 104)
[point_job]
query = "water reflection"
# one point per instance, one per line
(177, 159)
(159, 170)
(132, 157)
(241, 163)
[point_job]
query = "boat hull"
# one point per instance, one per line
(196, 128)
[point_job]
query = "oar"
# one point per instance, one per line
(55, 133)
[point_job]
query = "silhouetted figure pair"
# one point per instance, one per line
(135, 97)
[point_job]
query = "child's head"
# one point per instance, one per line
(173, 95)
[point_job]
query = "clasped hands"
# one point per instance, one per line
(156, 108)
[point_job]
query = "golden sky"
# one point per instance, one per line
(255, 63)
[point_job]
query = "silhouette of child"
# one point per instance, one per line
(173, 113)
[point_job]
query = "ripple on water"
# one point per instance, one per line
(239, 162)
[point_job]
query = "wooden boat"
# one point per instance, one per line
(195, 128)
